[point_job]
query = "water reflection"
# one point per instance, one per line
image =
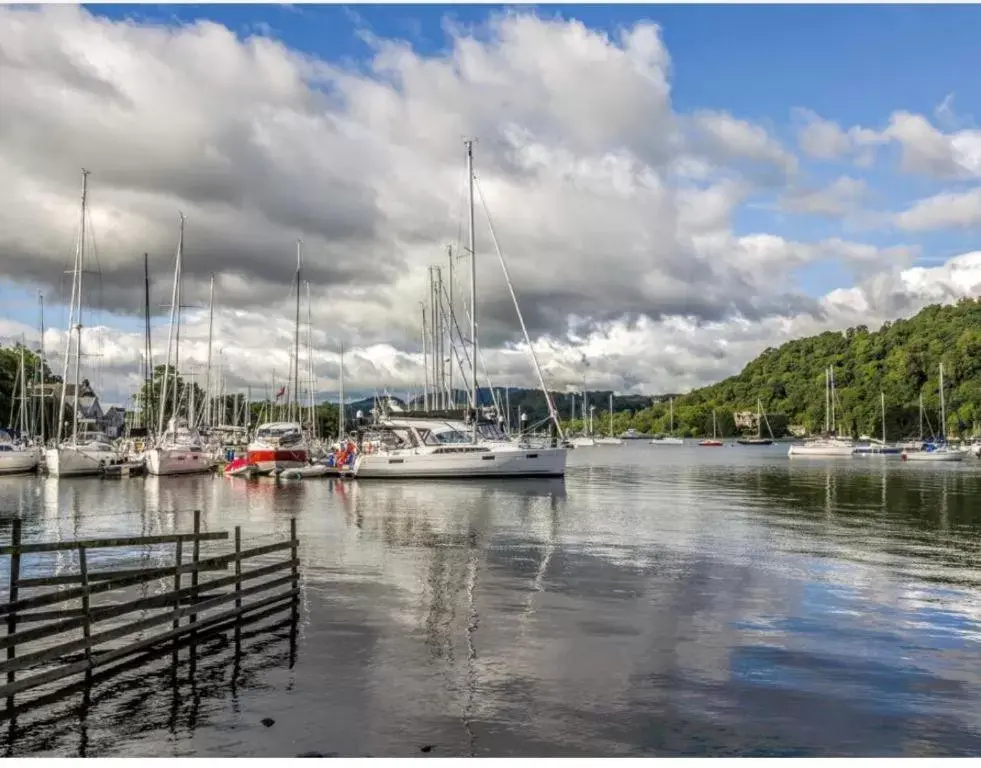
(655, 602)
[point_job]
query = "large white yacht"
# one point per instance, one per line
(16, 458)
(87, 452)
(408, 447)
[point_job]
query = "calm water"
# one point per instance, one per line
(659, 601)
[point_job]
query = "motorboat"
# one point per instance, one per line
(278, 445)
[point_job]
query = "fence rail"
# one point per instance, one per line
(181, 612)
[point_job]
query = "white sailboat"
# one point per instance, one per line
(941, 452)
(830, 446)
(878, 447)
(611, 439)
(586, 439)
(88, 451)
(20, 456)
(404, 447)
(670, 438)
(179, 449)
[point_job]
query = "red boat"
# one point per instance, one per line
(277, 446)
(711, 443)
(238, 467)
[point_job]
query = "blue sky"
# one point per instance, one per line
(851, 64)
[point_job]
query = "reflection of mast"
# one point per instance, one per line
(473, 621)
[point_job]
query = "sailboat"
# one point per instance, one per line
(17, 457)
(714, 442)
(941, 451)
(586, 439)
(88, 451)
(670, 438)
(436, 447)
(878, 448)
(611, 439)
(831, 445)
(759, 439)
(280, 445)
(179, 449)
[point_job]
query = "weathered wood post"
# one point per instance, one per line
(238, 588)
(295, 569)
(83, 569)
(12, 591)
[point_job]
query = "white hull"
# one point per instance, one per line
(933, 456)
(583, 442)
(177, 461)
(502, 461)
(668, 441)
(77, 462)
(313, 470)
(609, 441)
(18, 462)
(821, 450)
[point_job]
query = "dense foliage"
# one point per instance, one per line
(9, 372)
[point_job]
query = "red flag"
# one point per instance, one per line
(282, 391)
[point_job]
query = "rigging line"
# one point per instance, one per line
(507, 278)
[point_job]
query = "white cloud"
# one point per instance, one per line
(823, 139)
(842, 197)
(614, 212)
(943, 211)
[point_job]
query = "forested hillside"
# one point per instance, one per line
(901, 360)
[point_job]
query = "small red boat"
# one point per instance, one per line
(711, 443)
(239, 467)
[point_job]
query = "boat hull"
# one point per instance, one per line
(267, 461)
(710, 444)
(820, 451)
(531, 462)
(77, 462)
(177, 461)
(753, 441)
(609, 441)
(19, 462)
(668, 441)
(933, 456)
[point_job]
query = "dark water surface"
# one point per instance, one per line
(659, 601)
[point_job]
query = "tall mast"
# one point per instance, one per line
(44, 403)
(473, 289)
(882, 399)
(208, 394)
(834, 425)
(827, 401)
(449, 382)
(75, 319)
(177, 323)
(311, 388)
(921, 416)
(294, 400)
(943, 410)
(425, 361)
(148, 350)
(22, 412)
(175, 298)
(340, 412)
(611, 414)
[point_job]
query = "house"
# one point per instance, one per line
(85, 400)
(114, 422)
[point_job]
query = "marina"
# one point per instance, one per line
(700, 597)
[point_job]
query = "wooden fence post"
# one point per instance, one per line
(83, 569)
(13, 590)
(178, 556)
(238, 586)
(294, 554)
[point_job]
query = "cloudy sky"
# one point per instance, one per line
(673, 189)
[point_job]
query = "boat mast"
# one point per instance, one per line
(310, 382)
(44, 403)
(425, 360)
(473, 289)
(170, 334)
(827, 401)
(294, 400)
(22, 413)
(449, 381)
(611, 414)
(147, 419)
(209, 396)
(882, 398)
(759, 418)
(340, 410)
(943, 411)
(921, 416)
(179, 293)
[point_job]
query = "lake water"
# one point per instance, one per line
(658, 601)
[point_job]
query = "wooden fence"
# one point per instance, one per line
(208, 606)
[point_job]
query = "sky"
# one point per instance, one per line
(674, 188)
